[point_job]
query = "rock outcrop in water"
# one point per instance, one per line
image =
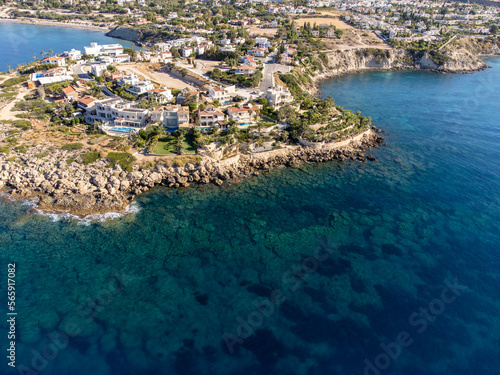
(95, 188)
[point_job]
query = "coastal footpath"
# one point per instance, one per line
(97, 188)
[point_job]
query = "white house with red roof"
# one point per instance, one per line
(260, 52)
(210, 116)
(249, 60)
(245, 70)
(242, 113)
(218, 93)
(161, 95)
(56, 60)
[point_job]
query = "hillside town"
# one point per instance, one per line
(223, 78)
(123, 103)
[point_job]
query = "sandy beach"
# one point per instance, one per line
(36, 21)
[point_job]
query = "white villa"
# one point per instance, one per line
(249, 60)
(51, 76)
(187, 51)
(245, 70)
(116, 111)
(175, 116)
(257, 52)
(162, 95)
(141, 87)
(278, 96)
(219, 93)
(166, 56)
(242, 113)
(59, 61)
(210, 116)
(73, 54)
(98, 69)
(130, 79)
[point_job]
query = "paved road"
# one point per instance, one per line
(269, 69)
(106, 91)
(78, 70)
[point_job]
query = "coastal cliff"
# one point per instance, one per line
(126, 33)
(98, 188)
(462, 56)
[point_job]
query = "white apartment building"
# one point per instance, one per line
(105, 49)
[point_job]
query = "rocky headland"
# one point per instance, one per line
(462, 56)
(98, 188)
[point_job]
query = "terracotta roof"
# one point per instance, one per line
(87, 100)
(236, 109)
(159, 91)
(212, 113)
(246, 67)
(68, 90)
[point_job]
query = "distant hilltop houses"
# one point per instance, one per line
(412, 21)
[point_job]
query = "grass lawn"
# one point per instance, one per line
(166, 145)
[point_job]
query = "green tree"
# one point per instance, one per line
(494, 29)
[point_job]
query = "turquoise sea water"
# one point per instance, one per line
(19, 42)
(389, 267)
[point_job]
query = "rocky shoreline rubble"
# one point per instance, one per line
(96, 188)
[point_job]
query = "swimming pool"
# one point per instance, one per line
(122, 130)
(245, 123)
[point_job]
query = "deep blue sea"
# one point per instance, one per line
(20, 42)
(390, 267)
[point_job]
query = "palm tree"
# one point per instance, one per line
(50, 52)
(8, 67)
(259, 128)
(179, 144)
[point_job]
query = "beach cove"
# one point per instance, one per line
(21, 41)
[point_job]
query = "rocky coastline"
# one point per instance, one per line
(341, 63)
(96, 188)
